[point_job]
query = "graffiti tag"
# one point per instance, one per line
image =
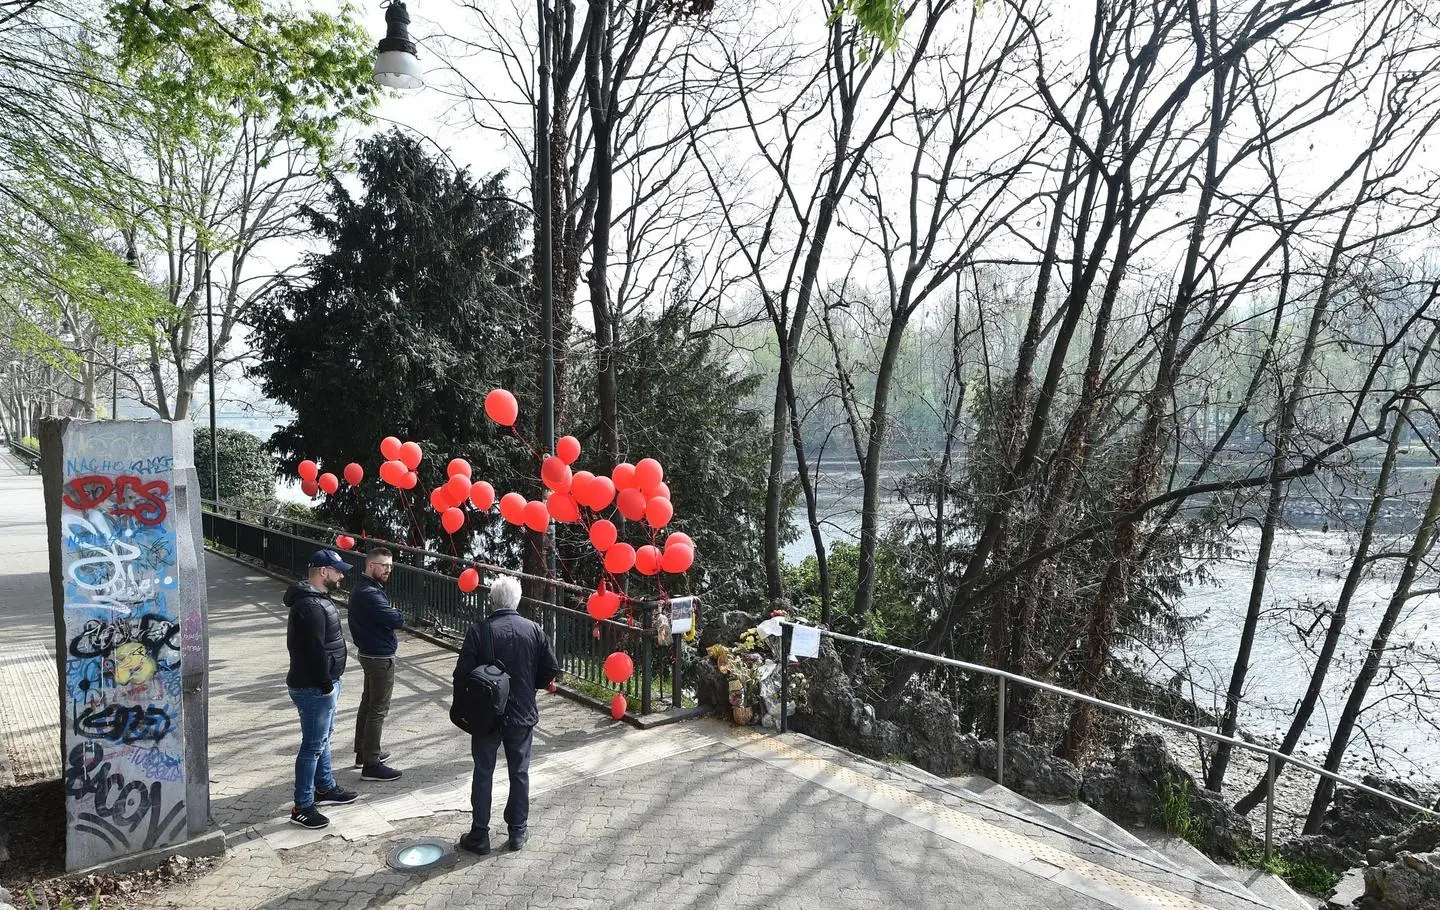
(125, 724)
(143, 500)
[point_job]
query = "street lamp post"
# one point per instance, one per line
(397, 66)
(210, 347)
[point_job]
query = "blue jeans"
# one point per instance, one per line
(317, 724)
(483, 749)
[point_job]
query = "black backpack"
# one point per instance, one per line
(481, 697)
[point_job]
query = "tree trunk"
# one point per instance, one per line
(1419, 549)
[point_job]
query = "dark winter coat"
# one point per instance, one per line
(314, 637)
(373, 619)
(520, 646)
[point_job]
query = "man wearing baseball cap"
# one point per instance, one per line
(317, 661)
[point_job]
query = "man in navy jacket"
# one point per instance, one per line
(317, 661)
(520, 647)
(373, 621)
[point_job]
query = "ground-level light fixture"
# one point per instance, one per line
(420, 854)
(396, 63)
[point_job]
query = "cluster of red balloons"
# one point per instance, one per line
(449, 498)
(312, 482)
(401, 460)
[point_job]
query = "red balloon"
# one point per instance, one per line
(617, 707)
(469, 580)
(648, 473)
(457, 466)
(658, 512)
(580, 484)
(537, 516)
(662, 490)
(568, 448)
(677, 557)
(602, 492)
(603, 535)
(409, 481)
(410, 454)
(623, 475)
(619, 559)
(438, 500)
(602, 604)
(307, 470)
(501, 407)
(631, 503)
(309, 488)
(392, 472)
(562, 507)
(329, 483)
(679, 537)
(452, 520)
(482, 495)
(647, 560)
(512, 508)
(354, 474)
(555, 473)
(345, 542)
(457, 488)
(390, 448)
(619, 667)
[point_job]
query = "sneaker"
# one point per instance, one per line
(338, 796)
(478, 844)
(308, 817)
(360, 760)
(380, 771)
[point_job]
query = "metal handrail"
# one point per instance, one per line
(1275, 758)
(396, 545)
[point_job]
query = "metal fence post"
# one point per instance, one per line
(675, 670)
(1000, 735)
(646, 626)
(787, 631)
(1269, 803)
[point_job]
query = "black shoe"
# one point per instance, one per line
(477, 844)
(517, 841)
(338, 796)
(308, 817)
(360, 760)
(380, 771)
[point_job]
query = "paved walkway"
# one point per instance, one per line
(700, 814)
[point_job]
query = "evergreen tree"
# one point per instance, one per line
(417, 309)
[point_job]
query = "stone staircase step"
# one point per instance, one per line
(1271, 888)
(1099, 824)
(1000, 824)
(1185, 856)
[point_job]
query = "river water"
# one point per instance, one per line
(1307, 569)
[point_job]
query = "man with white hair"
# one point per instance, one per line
(519, 646)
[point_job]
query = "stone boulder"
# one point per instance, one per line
(934, 737)
(1421, 837)
(712, 688)
(1411, 882)
(1031, 769)
(1356, 819)
(1321, 851)
(1127, 789)
(834, 713)
(726, 629)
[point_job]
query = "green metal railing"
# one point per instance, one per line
(423, 586)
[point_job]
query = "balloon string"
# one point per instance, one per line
(526, 443)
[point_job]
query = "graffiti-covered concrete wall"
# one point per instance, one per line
(128, 577)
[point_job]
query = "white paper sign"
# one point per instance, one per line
(805, 642)
(682, 615)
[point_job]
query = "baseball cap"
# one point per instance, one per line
(329, 559)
